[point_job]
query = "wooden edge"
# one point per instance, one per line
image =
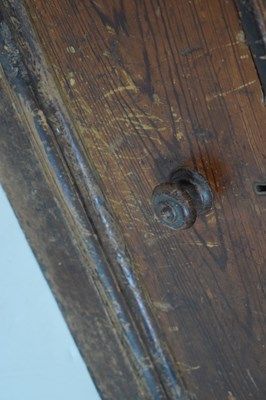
(60, 152)
(41, 213)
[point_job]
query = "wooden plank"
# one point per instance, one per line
(34, 96)
(153, 86)
(39, 209)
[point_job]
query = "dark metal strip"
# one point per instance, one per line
(252, 14)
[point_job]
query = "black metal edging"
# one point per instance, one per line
(249, 16)
(152, 359)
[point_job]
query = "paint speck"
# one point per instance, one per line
(174, 329)
(71, 50)
(110, 29)
(72, 82)
(162, 306)
(179, 135)
(244, 57)
(240, 37)
(230, 396)
(209, 294)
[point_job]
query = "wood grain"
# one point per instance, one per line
(85, 209)
(155, 85)
(41, 213)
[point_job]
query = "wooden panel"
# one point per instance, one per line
(38, 205)
(34, 100)
(154, 85)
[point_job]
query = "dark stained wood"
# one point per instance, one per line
(152, 86)
(40, 210)
(86, 211)
(35, 96)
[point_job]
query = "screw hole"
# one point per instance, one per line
(260, 189)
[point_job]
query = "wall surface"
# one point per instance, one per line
(38, 357)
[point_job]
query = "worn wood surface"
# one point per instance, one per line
(41, 213)
(86, 211)
(154, 85)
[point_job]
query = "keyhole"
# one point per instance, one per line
(260, 189)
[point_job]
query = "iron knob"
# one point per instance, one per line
(178, 202)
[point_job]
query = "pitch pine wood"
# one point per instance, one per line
(155, 85)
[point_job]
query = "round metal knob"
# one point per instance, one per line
(178, 202)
